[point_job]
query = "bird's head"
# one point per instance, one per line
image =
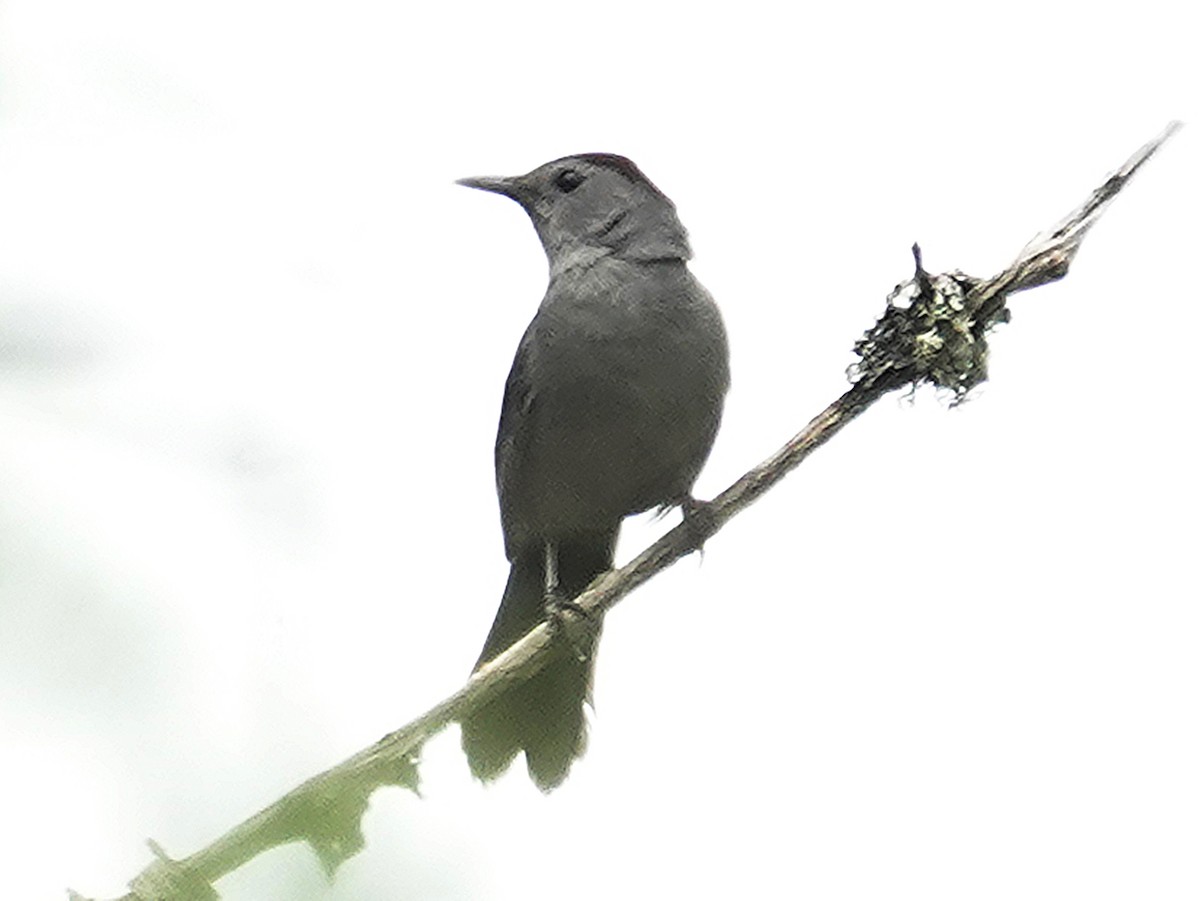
(592, 205)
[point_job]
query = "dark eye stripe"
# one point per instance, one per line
(568, 180)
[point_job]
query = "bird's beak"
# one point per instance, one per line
(509, 187)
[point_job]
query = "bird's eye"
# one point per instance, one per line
(568, 180)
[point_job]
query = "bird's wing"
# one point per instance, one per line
(518, 398)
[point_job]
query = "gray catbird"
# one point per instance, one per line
(611, 408)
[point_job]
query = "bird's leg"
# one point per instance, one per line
(552, 593)
(551, 569)
(563, 614)
(699, 519)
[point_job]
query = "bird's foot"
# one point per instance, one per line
(699, 518)
(570, 621)
(557, 604)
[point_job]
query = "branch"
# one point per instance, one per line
(934, 330)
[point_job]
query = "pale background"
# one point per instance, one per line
(252, 347)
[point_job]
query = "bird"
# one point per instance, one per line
(611, 408)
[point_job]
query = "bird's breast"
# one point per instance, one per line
(626, 391)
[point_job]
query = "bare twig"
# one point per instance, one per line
(934, 330)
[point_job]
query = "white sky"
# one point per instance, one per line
(252, 347)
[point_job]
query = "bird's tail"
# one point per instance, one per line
(544, 715)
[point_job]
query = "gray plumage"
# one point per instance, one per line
(611, 408)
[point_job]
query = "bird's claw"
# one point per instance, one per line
(569, 620)
(699, 517)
